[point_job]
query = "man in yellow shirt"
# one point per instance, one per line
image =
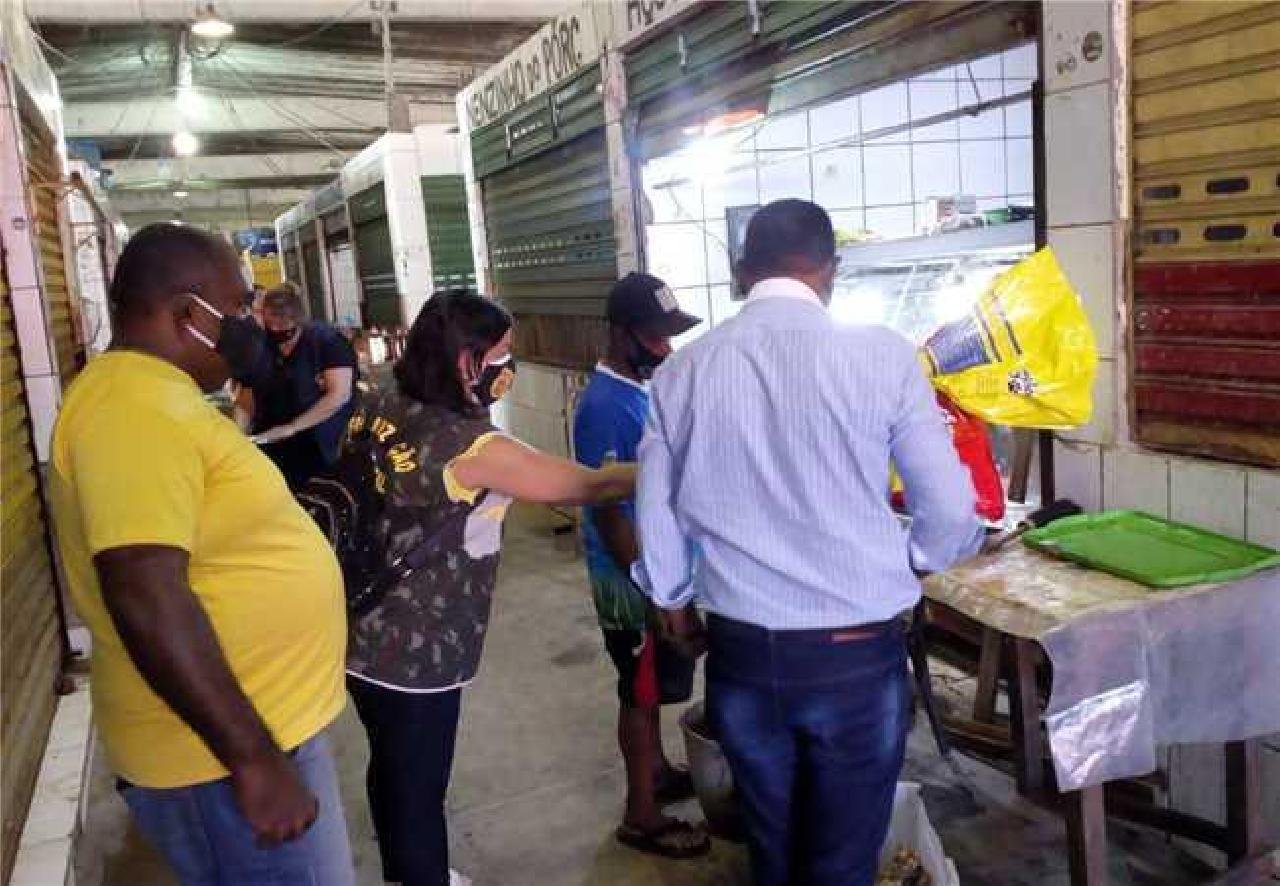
(215, 604)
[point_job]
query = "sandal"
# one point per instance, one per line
(674, 785)
(675, 839)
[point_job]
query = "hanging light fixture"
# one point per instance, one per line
(209, 24)
(185, 144)
(181, 195)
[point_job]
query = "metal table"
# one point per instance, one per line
(997, 614)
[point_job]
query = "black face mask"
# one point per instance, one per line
(494, 381)
(282, 336)
(240, 341)
(643, 361)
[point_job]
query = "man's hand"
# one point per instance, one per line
(275, 435)
(683, 629)
(274, 800)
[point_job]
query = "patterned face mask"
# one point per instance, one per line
(495, 381)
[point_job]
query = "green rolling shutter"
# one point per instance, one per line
(444, 198)
(375, 262)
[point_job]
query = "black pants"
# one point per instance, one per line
(411, 739)
(299, 458)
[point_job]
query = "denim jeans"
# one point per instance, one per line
(208, 842)
(813, 725)
(411, 741)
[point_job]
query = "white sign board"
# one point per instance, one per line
(634, 19)
(346, 287)
(560, 49)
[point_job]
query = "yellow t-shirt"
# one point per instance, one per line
(139, 457)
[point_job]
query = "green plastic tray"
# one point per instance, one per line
(1154, 552)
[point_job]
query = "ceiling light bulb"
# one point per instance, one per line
(181, 194)
(185, 144)
(188, 101)
(209, 24)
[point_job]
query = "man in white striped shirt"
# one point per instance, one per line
(764, 496)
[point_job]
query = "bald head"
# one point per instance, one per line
(164, 261)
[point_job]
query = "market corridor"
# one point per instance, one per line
(537, 783)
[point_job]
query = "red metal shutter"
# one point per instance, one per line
(1205, 368)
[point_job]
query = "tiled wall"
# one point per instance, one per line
(1087, 213)
(878, 184)
(1098, 465)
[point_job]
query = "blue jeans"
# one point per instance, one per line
(813, 725)
(208, 842)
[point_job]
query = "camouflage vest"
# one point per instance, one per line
(428, 631)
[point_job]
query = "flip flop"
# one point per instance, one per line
(669, 841)
(674, 785)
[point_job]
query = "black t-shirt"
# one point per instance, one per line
(286, 387)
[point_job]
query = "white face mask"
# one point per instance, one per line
(200, 336)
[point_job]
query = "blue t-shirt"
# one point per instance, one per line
(607, 427)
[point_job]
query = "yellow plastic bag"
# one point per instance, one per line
(1024, 356)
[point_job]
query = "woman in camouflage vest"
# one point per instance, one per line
(452, 471)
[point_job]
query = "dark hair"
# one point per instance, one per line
(161, 261)
(788, 236)
(450, 323)
(285, 298)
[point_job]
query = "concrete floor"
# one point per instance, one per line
(538, 784)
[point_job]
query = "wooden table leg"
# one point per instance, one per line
(1086, 818)
(1024, 718)
(984, 696)
(1244, 799)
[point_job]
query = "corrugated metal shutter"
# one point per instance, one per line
(796, 54)
(544, 178)
(1206, 160)
(292, 265)
(30, 640)
(44, 175)
(375, 260)
(444, 198)
(314, 275)
(550, 227)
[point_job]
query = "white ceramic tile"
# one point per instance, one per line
(791, 131)
(1021, 61)
(834, 121)
(1101, 426)
(1070, 28)
(1087, 257)
(837, 178)
(1077, 473)
(676, 255)
(1135, 480)
(887, 174)
(1020, 164)
(848, 219)
(737, 187)
(786, 179)
(982, 168)
(989, 67)
(935, 170)
(695, 301)
(1017, 119)
(1078, 156)
(1262, 508)
(716, 237)
(884, 107)
(988, 124)
(1208, 495)
(929, 99)
(675, 201)
(723, 306)
(892, 222)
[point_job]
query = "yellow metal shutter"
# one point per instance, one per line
(30, 645)
(45, 181)
(1206, 246)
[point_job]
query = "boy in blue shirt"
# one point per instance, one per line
(643, 317)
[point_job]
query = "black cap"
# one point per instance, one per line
(642, 301)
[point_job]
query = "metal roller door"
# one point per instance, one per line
(45, 182)
(313, 276)
(1206, 162)
(444, 198)
(29, 620)
(544, 178)
(289, 254)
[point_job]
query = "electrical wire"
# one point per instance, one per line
(333, 22)
(283, 111)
